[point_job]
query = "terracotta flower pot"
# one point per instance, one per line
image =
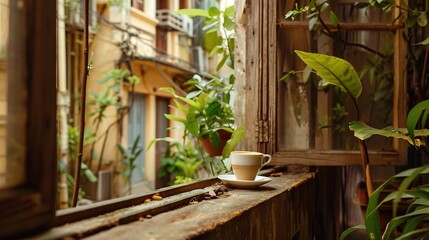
(208, 146)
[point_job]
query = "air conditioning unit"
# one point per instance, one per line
(175, 22)
(188, 26)
(200, 59)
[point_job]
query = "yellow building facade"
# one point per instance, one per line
(152, 42)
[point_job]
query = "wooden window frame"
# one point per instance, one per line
(31, 205)
(262, 72)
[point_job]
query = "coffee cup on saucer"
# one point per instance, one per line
(246, 164)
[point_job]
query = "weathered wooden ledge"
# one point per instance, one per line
(281, 209)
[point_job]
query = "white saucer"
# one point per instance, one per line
(231, 180)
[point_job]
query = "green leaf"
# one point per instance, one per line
(363, 131)
(90, 175)
(333, 17)
(180, 106)
(228, 23)
(213, 109)
(422, 19)
(175, 118)
(212, 26)
(216, 50)
(286, 76)
(229, 11)
(394, 222)
(424, 42)
(122, 150)
(311, 23)
(411, 20)
(193, 94)
(306, 74)
(221, 62)
(214, 138)
(415, 232)
(236, 137)
(323, 6)
(361, 5)
(335, 71)
(167, 139)
(191, 102)
(289, 14)
(135, 144)
(214, 11)
(193, 12)
(414, 117)
(191, 124)
(212, 40)
(371, 219)
(168, 90)
(412, 224)
(350, 230)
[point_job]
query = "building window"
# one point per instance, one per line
(137, 128)
(139, 4)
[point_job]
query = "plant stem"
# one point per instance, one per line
(211, 167)
(364, 157)
(82, 104)
(223, 164)
(366, 167)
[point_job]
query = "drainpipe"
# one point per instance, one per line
(63, 105)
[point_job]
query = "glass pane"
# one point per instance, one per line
(315, 118)
(12, 151)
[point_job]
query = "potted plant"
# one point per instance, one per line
(208, 116)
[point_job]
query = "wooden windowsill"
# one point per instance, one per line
(194, 213)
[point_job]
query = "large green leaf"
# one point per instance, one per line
(335, 71)
(193, 12)
(363, 131)
(420, 111)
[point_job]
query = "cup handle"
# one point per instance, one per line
(266, 156)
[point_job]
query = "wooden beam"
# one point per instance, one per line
(285, 24)
(332, 158)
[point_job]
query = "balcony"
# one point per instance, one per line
(175, 22)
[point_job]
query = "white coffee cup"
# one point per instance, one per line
(246, 164)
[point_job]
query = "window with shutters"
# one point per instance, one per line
(295, 120)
